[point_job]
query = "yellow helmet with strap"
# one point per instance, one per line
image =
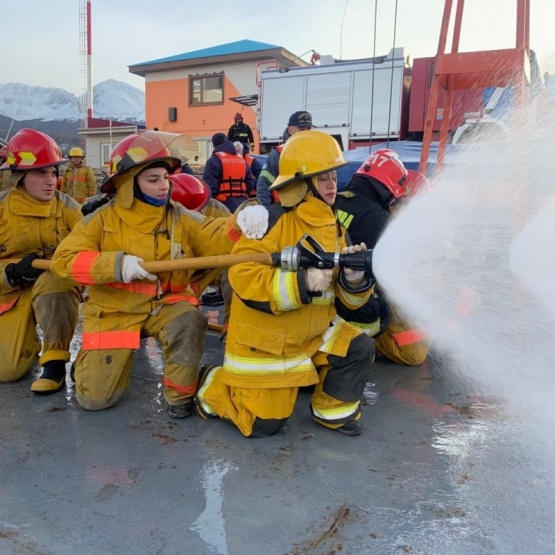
(305, 154)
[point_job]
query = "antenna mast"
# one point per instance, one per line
(86, 96)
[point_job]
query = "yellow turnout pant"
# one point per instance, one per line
(103, 375)
(51, 304)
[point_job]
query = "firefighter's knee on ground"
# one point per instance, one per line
(98, 404)
(102, 377)
(13, 372)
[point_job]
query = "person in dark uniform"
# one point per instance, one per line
(240, 131)
(364, 209)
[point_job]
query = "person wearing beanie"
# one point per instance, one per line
(227, 173)
(218, 139)
(298, 121)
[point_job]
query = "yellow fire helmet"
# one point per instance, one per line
(305, 154)
(76, 151)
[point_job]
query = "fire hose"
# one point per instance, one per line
(307, 253)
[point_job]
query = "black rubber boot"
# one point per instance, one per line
(181, 411)
(52, 379)
(214, 298)
(351, 428)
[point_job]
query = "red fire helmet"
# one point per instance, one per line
(191, 191)
(385, 166)
(31, 150)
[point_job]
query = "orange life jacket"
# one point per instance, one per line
(234, 171)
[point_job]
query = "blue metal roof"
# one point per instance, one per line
(238, 47)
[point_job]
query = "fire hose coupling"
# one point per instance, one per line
(308, 253)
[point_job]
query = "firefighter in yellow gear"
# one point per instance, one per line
(35, 218)
(126, 303)
(283, 330)
(78, 180)
(402, 343)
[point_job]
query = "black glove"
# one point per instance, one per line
(376, 308)
(91, 205)
(22, 273)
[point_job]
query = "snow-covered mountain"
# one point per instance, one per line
(119, 100)
(115, 99)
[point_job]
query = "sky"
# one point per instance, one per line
(46, 50)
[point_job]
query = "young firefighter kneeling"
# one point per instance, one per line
(283, 331)
(125, 302)
(380, 184)
(35, 218)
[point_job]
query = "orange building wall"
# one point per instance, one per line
(196, 121)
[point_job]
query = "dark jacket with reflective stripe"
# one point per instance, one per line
(240, 132)
(363, 211)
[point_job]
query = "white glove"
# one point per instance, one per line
(353, 276)
(131, 270)
(318, 280)
(253, 221)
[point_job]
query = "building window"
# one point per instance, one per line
(105, 153)
(206, 89)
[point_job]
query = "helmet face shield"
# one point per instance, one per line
(148, 146)
(416, 184)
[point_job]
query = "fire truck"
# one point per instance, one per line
(356, 101)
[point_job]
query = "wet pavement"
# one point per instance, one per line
(438, 470)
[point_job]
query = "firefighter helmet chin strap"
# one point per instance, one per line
(312, 188)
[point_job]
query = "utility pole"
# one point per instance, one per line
(85, 26)
(341, 36)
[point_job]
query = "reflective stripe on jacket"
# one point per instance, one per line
(93, 254)
(275, 325)
(408, 337)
